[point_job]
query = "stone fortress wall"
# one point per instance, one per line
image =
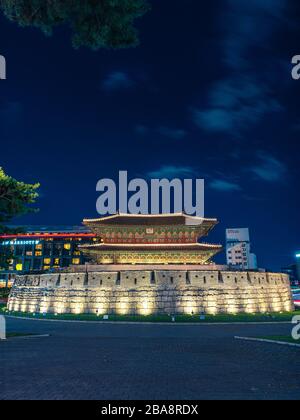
(146, 292)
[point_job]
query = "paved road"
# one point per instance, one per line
(97, 362)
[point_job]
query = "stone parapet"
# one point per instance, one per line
(147, 292)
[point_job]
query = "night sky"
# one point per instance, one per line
(208, 93)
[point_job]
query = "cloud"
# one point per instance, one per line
(225, 186)
(116, 81)
(234, 105)
(248, 25)
(269, 168)
(141, 129)
(172, 172)
(214, 119)
(169, 132)
(237, 103)
(172, 133)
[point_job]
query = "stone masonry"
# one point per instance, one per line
(152, 292)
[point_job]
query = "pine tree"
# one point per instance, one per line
(16, 199)
(95, 23)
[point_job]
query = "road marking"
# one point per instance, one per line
(263, 340)
(27, 337)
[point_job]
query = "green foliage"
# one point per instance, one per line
(5, 257)
(95, 23)
(4, 293)
(15, 200)
(15, 196)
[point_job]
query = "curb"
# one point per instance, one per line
(196, 324)
(263, 340)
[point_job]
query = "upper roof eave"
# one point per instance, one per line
(189, 220)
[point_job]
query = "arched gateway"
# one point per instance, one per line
(151, 265)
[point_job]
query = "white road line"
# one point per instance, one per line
(262, 340)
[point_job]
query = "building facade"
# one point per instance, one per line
(238, 250)
(298, 266)
(293, 270)
(42, 249)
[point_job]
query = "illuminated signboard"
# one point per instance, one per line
(237, 235)
(15, 243)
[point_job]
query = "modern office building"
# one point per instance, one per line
(238, 250)
(298, 266)
(293, 270)
(42, 249)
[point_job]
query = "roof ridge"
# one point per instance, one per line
(136, 245)
(130, 215)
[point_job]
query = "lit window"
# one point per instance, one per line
(47, 261)
(38, 254)
(76, 261)
(39, 246)
(19, 267)
(67, 246)
(56, 261)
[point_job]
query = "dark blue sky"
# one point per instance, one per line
(207, 94)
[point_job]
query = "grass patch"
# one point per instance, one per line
(2, 308)
(226, 318)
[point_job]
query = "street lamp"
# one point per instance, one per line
(298, 265)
